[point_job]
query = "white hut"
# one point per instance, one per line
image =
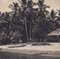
(54, 36)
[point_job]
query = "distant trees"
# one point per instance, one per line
(25, 23)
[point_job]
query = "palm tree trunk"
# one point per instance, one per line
(30, 31)
(26, 31)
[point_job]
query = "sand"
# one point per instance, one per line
(46, 50)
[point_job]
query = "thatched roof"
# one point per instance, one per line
(55, 32)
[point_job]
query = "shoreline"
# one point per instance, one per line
(28, 49)
(13, 55)
(32, 52)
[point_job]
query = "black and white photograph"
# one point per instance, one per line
(29, 29)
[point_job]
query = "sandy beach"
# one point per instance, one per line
(52, 50)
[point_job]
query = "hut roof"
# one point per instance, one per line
(55, 32)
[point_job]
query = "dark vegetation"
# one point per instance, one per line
(27, 24)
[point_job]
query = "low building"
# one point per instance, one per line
(54, 36)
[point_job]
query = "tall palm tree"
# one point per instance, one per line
(29, 17)
(27, 8)
(41, 20)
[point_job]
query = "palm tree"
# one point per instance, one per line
(23, 15)
(42, 12)
(29, 17)
(27, 8)
(14, 7)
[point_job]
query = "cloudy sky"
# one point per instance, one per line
(54, 4)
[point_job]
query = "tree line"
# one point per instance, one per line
(27, 24)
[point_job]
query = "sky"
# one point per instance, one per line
(54, 4)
